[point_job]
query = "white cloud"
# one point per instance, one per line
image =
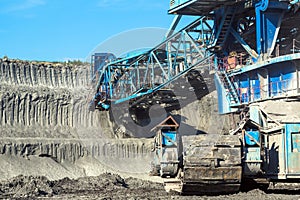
(25, 4)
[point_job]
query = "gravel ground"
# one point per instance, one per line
(112, 186)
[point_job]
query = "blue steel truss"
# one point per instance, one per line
(231, 37)
(144, 73)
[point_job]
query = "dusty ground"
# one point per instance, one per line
(111, 186)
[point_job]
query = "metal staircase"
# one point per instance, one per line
(231, 91)
(222, 30)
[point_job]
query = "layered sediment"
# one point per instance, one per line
(48, 100)
(70, 150)
(47, 129)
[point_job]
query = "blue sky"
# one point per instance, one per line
(56, 30)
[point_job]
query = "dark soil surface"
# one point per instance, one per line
(105, 186)
(111, 186)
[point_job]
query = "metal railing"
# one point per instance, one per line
(296, 46)
(276, 89)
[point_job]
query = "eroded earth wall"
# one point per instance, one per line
(42, 99)
(45, 124)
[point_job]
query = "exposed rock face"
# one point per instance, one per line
(71, 150)
(206, 118)
(59, 158)
(47, 129)
(46, 100)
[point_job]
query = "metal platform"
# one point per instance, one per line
(197, 7)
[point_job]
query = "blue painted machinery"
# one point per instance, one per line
(252, 47)
(166, 149)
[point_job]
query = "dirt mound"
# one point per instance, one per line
(108, 186)
(25, 187)
(105, 186)
(113, 186)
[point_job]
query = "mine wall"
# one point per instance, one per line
(44, 118)
(70, 150)
(40, 99)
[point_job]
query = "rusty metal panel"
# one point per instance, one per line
(212, 164)
(216, 175)
(207, 151)
(213, 156)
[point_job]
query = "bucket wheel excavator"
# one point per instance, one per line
(252, 49)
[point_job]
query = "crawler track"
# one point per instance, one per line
(211, 165)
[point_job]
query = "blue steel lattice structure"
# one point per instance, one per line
(147, 72)
(251, 46)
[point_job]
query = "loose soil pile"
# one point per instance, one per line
(105, 186)
(112, 186)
